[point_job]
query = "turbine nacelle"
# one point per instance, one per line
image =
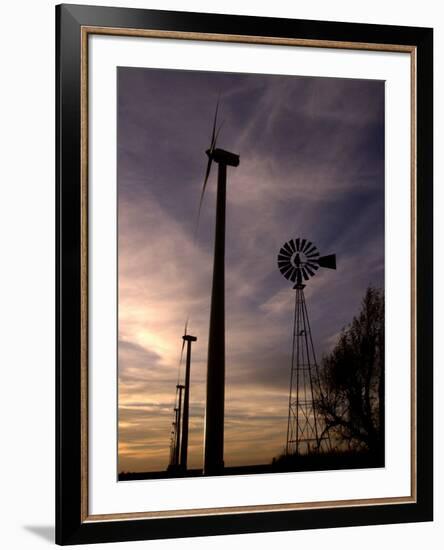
(220, 156)
(223, 157)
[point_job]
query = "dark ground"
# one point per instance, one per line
(306, 463)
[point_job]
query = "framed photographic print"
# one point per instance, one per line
(244, 282)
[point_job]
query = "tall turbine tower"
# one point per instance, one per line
(215, 399)
(298, 260)
(186, 402)
(176, 430)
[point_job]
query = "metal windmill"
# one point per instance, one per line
(215, 398)
(298, 261)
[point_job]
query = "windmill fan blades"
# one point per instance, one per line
(292, 245)
(299, 260)
(284, 262)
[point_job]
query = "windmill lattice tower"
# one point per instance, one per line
(298, 261)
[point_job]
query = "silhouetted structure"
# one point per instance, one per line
(214, 411)
(176, 431)
(173, 441)
(298, 260)
(180, 425)
(186, 404)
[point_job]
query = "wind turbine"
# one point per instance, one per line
(186, 401)
(215, 398)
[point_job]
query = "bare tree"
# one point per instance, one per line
(352, 380)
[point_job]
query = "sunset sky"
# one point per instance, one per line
(312, 166)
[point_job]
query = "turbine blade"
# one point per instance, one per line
(292, 245)
(307, 268)
(214, 136)
(302, 245)
(213, 146)
(213, 133)
(183, 341)
(327, 261)
(181, 352)
(202, 194)
(297, 244)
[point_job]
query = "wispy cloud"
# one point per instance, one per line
(312, 165)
